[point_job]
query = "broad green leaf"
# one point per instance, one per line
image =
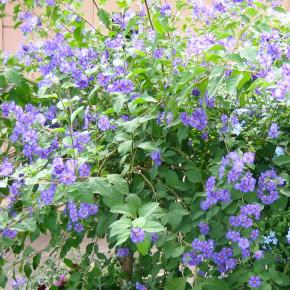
(148, 209)
(153, 227)
(175, 213)
(194, 175)
(124, 209)
(148, 146)
(75, 113)
(282, 160)
(120, 184)
(28, 224)
(104, 17)
(171, 178)
(176, 283)
(144, 247)
(139, 222)
(123, 237)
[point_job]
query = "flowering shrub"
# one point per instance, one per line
(164, 132)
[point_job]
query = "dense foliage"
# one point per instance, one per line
(164, 132)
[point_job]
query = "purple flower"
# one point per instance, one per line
(203, 228)
(156, 158)
(268, 186)
(259, 255)
(50, 2)
(204, 248)
(165, 10)
(137, 235)
(231, 264)
(204, 136)
(249, 158)
(79, 227)
(233, 236)
(246, 184)
(273, 131)
(57, 165)
(10, 234)
(19, 283)
(244, 243)
(86, 210)
(165, 118)
(254, 282)
(255, 234)
(48, 195)
(84, 170)
(198, 119)
(158, 53)
(67, 176)
(140, 286)
(195, 92)
(121, 86)
(251, 209)
(191, 258)
(184, 118)
(123, 252)
(246, 253)
(73, 211)
(210, 184)
(6, 168)
(154, 237)
(104, 123)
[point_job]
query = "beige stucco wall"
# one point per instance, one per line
(11, 38)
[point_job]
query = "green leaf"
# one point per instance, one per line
(118, 103)
(282, 160)
(119, 226)
(171, 178)
(216, 77)
(104, 17)
(175, 214)
(279, 278)
(232, 82)
(216, 229)
(75, 114)
(144, 247)
(3, 280)
(148, 209)
(265, 286)
(36, 261)
(194, 175)
(124, 209)
(139, 222)
(120, 184)
(14, 77)
(182, 133)
(27, 270)
(249, 52)
(212, 284)
(176, 284)
(28, 224)
(124, 147)
(159, 27)
(148, 146)
(153, 227)
(123, 237)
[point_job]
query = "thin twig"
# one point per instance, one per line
(149, 183)
(95, 3)
(148, 13)
(25, 258)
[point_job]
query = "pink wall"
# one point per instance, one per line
(10, 38)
